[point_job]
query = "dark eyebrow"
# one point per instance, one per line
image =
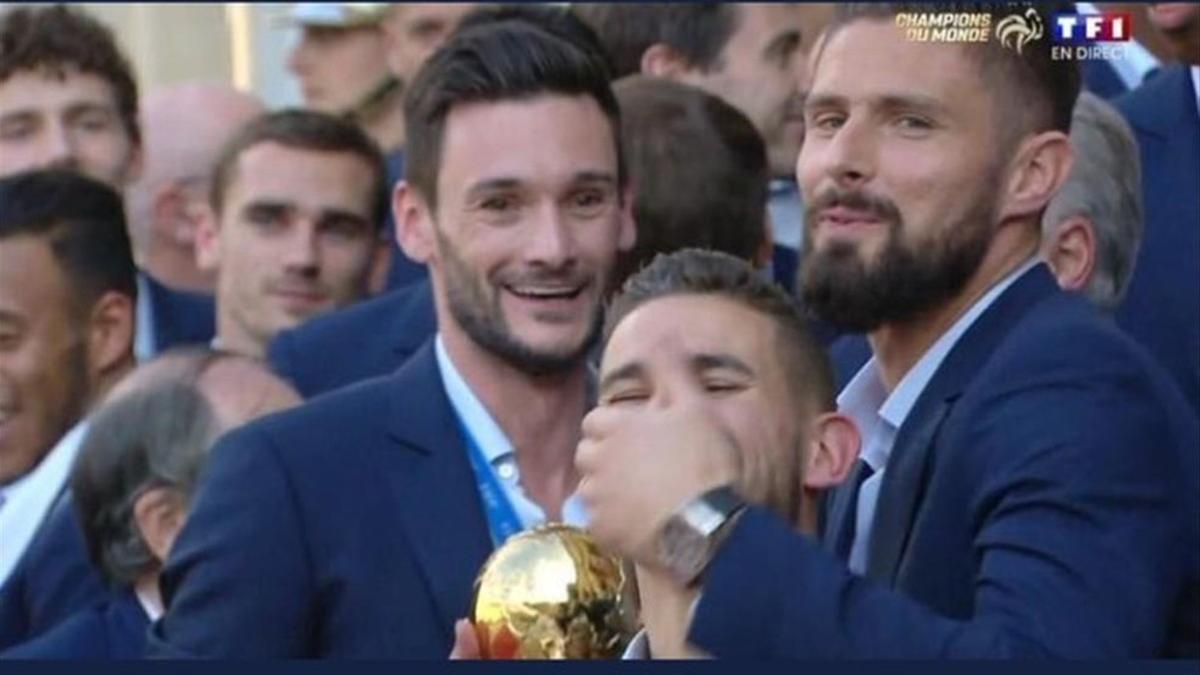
(268, 205)
(702, 362)
(88, 106)
(340, 213)
(594, 177)
(917, 102)
(819, 100)
(426, 25)
(504, 183)
(886, 102)
(783, 44)
(493, 185)
(629, 371)
(11, 318)
(19, 115)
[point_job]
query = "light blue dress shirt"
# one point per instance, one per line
(496, 447)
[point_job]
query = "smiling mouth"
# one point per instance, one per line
(546, 292)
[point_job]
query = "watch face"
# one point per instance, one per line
(682, 550)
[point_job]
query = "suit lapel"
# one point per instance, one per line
(904, 484)
(437, 502)
(911, 461)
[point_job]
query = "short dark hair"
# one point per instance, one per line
(58, 38)
(554, 19)
(698, 272)
(82, 220)
(1042, 89)
(156, 435)
(625, 30)
(699, 170)
(505, 60)
(697, 31)
(303, 130)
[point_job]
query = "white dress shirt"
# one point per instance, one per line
(638, 648)
(28, 500)
(496, 447)
(879, 414)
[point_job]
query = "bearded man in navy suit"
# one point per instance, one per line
(1029, 475)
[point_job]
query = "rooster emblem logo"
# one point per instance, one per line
(1016, 31)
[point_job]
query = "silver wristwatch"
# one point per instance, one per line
(689, 540)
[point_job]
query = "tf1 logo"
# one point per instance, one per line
(1078, 28)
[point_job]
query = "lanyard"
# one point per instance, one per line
(502, 518)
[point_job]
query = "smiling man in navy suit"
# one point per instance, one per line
(354, 526)
(1029, 481)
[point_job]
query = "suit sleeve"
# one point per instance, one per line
(238, 583)
(1077, 533)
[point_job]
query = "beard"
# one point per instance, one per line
(905, 281)
(483, 320)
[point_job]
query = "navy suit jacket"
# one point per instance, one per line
(847, 356)
(369, 339)
(115, 629)
(1100, 78)
(348, 527)
(1162, 308)
(1040, 499)
(179, 317)
(51, 581)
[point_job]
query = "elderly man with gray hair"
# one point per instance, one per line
(137, 470)
(1092, 229)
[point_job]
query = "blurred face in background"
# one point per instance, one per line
(339, 67)
(761, 72)
(1180, 24)
(64, 122)
(412, 31)
(295, 238)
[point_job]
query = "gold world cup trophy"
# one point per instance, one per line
(552, 593)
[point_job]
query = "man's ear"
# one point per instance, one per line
(175, 216)
(1038, 169)
(159, 514)
(833, 448)
(208, 240)
(414, 223)
(661, 60)
(110, 332)
(1070, 249)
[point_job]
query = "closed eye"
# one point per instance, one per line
(626, 397)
